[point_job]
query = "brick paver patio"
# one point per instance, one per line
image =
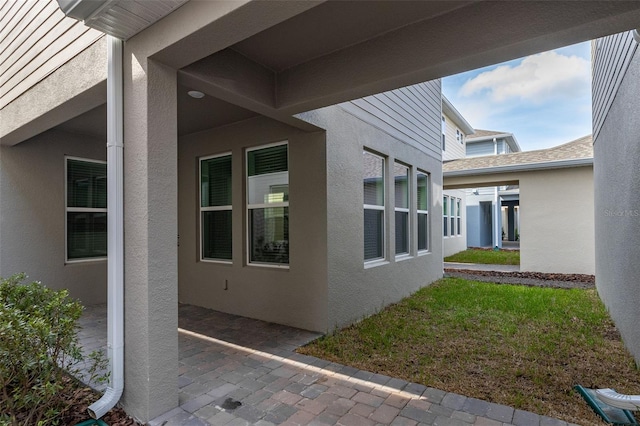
(240, 371)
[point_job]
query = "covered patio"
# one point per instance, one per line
(241, 371)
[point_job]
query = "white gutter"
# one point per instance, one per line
(115, 231)
(558, 164)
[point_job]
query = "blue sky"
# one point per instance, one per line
(543, 99)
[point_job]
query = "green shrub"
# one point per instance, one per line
(38, 344)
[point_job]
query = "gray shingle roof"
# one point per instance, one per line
(575, 150)
(479, 133)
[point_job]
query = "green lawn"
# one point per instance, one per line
(520, 346)
(501, 257)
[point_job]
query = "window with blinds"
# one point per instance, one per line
(401, 185)
(373, 185)
(268, 204)
(86, 209)
(422, 189)
(216, 213)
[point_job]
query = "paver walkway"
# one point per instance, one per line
(239, 371)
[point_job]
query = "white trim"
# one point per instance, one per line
(249, 207)
(426, 212)
(68, 209)
(383, 207)
(407, 210)
(212, 208)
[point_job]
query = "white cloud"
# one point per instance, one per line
(538, 78)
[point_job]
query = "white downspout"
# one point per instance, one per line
(636, 35)
(115, 231)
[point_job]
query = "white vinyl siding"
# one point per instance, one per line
(611, 57)
(455, 148)
(37, 39)
(410, 114)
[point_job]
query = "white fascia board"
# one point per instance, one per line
(560, 164)
(450, 111)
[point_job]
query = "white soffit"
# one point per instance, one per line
(119, 18)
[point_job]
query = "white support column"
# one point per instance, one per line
(151, 219)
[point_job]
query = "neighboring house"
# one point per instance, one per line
(455, 132)
(555, 196)
(258, 198)
(492, 212)
(616, 136)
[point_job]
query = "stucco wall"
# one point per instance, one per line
(617, 207)
(556, 221)
(356, 290)
(32, 214)
(296, 296)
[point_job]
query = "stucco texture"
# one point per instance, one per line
(617, 208)
(356, 290)
(295, 296)
(557, 222)
(32, 214)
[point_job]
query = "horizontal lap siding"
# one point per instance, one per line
(35, 40)
(410, 114)
(611, 57)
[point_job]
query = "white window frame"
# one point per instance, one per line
(445, 216)
(379, 208)
(68, 210)
(406, 210)
(458, 216)
(250, 207)
(425, 212)
(213, 208)
(444, 133)
(452, 216)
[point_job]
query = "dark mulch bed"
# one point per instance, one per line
(79, 398)
(538, 279)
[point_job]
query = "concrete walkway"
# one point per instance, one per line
(481, 267)
(239, 371)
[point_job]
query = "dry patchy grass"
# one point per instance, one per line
(519, 346)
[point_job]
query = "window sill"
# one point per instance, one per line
(424, 253)
(280, 267)
(375, 263)
(217, 262)
(404, 256)
(85, 261)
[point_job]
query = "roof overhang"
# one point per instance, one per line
(450, 111)
(119, 18)
(527, 167)
(508, 137)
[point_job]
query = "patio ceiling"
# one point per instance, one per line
(334, 51)
(342, 50)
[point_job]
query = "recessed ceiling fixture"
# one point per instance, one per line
(195, 94)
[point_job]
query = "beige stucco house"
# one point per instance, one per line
(555, 198)
(261, 197)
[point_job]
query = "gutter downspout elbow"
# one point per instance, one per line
(115, 231)
(636, 35)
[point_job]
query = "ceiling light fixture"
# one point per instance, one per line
(195, 94)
